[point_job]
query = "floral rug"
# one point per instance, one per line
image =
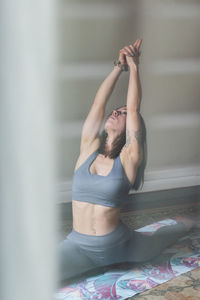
(125, 280)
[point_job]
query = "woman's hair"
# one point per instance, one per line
(118, 145)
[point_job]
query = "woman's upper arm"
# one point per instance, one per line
(133, 144)
(92, 124)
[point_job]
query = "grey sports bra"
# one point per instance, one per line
(111, 190)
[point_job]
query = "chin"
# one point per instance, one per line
(107, 125)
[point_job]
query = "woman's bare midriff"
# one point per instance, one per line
(94, 219)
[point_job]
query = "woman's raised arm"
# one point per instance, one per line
(95, 117)
(134, 94)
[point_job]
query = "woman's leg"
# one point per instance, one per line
(144, 247)
(81, 253)
(72, 260)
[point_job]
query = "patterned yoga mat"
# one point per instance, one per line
(124, 280)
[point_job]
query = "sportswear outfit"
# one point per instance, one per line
(80, 252)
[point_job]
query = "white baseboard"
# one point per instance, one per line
(153, 181)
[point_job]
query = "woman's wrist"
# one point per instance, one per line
(133, 68)
(117, 69)
(119, 64)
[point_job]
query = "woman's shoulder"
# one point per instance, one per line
(86, 151)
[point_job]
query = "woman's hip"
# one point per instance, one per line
(101, 242)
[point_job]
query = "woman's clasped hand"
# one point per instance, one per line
(130, 54)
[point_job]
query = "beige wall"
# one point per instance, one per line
(91, 34)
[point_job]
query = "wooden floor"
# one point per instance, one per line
(183, 287)
(145, 209)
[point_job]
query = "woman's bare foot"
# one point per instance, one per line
(190, 222)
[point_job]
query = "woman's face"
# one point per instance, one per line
(117, 119)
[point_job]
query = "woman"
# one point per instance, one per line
(110, 165)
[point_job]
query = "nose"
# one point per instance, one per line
(115, 113)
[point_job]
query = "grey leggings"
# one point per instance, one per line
(79, 253)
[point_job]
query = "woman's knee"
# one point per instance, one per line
(142, 248)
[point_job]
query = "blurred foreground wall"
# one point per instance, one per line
(27, 150)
